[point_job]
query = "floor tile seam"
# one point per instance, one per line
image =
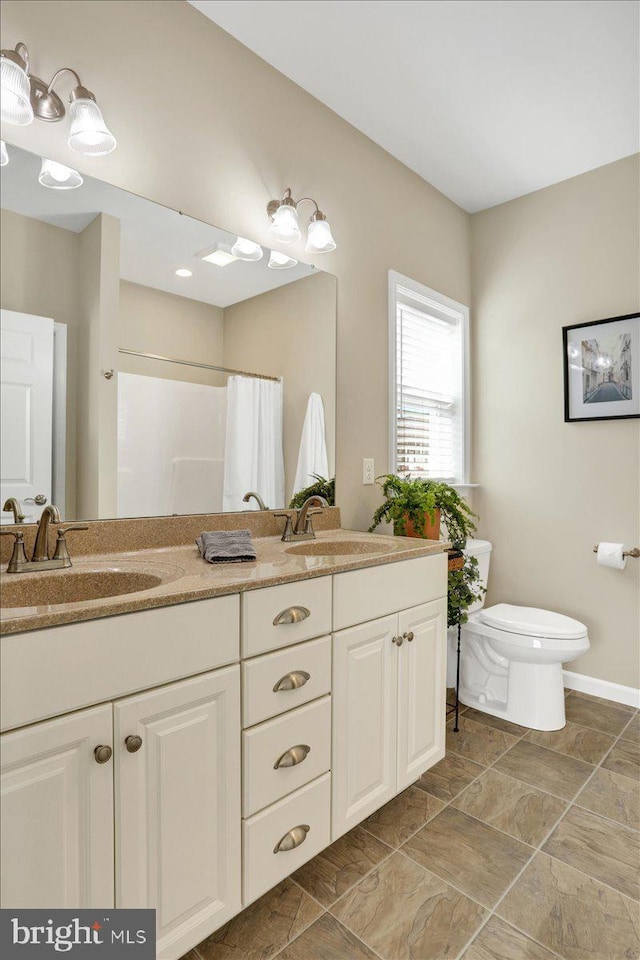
(485, 823)
(488, 726)
(303, 929)
(510, 924)
(449, 883)
(325, 912)
(615, 823)
(348, 890)
(487, 766)
(588, 876)
(587, 726)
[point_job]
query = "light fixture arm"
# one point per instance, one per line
(19, 55)
(59, 73)
(288, 200)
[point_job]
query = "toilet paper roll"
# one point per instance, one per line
(610, 555)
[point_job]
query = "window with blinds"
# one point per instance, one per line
(428, 388)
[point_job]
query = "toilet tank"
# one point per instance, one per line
(481, 550)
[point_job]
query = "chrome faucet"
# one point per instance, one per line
(303, 527)
(13, 505)
(40, 559)
(256, 496)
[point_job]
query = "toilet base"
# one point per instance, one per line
(535, 696)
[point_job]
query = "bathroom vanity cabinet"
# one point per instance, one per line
(188, 758)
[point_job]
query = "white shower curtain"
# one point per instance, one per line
(254, 457)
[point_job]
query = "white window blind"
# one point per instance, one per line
(429, 434)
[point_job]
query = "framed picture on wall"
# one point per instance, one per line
(602, 369)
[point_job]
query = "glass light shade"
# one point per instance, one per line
(280, 261)
(319, 239)
(89, 133)
(15, 96)
(285, 224)
(4, 156)
(58, 177)
(245, 249)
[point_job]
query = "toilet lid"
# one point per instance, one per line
(532, 622)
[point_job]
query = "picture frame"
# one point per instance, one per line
(601, 366)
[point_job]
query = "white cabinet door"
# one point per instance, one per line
(26, 375)
(364, 695)
(421, 689)
(178, 806)
(57, 813)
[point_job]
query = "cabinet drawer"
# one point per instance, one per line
(362, 595)
(260, 676)
(58, 669)
(263, 864)
(307, 733)
(279, 616)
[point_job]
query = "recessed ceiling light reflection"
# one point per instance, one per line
(183, 272)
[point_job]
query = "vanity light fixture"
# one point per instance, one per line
(58, 177)
(4, 156)
(280, 261)
(183, 272)
(245, 249)
(284, 224)
(220, 255)
(25, 97)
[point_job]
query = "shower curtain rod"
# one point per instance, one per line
(203, 366)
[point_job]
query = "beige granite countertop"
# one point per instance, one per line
(186, 576)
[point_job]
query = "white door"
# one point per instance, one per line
(178, 806)
(26, 374)
(421, 689)
(364, 696)
(57, 813)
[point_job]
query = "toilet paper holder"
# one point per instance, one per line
(627, 553)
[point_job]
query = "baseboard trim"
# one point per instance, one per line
(602, 688)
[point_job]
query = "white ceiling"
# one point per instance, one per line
(154, 240)
(485, 99)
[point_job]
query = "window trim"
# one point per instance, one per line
(439, 300)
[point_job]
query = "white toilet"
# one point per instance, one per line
(511, 657)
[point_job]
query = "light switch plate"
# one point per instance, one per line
(368, 471)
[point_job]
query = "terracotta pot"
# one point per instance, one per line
(431, 530)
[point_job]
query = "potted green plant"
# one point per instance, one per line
(416, 506)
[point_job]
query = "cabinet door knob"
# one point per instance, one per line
(291, 615)
(293, 756)
(133, 743)
(292, 839)
(397, 641)
(291, 681)
(408, 636)
(103, 753)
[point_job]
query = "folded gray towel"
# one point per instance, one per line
(226, 546)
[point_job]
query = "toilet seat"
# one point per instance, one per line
(532, 622)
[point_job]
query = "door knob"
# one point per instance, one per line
(408, 636)
(397, 641)
(39, 498)
(133, 743)
(103, 753)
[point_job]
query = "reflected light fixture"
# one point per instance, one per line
(284, 224)
(58, 177)
(280, 261)
(183, 272)
(245, 249)
(220, 255)
(4, 156)
(25, 96)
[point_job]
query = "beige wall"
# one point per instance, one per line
(221, 158)
(29, 249)
(153, 321)
(290, 332)
(550, 490)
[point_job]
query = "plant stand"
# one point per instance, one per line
(456, 561)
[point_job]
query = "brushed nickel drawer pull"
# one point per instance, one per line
(408, 636)
(291, 615)
(291, 681)
(293, 756)
(292, 839)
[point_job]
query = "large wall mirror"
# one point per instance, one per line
(149, 366)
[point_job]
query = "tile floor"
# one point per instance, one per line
(519, 845)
